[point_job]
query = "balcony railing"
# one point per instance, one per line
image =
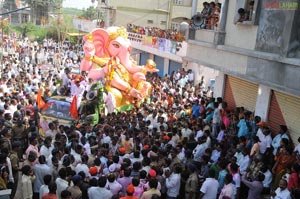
(162, 44)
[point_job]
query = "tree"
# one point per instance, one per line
(26, 28)
(90, 13)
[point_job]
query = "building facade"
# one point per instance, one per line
(258, 60)
(156, 13)
(255, 63)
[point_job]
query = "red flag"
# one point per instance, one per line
(47, 105)
(73, 108)
(39, 100)
(18, 3)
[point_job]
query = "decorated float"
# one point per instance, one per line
(107, 58)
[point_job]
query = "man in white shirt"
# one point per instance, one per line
(65, 77)
(173, 182)
(209, 188)
(277, 139)
(44, 188)
(200, 149)
(100, 191)
(82, 166)
(40, 171)
(46, 149)
(268, 179)
(217, 119)
(265, 139)
(61, 182)
(244, 161)
(153, 119)
(282, 192)
(186, 132)
(191, 77)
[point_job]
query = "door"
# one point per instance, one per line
(159, 65)
(174, 66)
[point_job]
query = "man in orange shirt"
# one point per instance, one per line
(129, 191)
(52, 191)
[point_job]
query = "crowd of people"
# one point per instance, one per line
(209, 17)
(184, 143)
(171, 34)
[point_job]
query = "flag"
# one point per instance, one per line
(73, 108)
(39, 100)
(47, 105)
(18, 3)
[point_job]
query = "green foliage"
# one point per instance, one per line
(90, 13)
(25, 28)
(72, 11)
(55, 28)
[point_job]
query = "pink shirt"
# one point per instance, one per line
(138, 191)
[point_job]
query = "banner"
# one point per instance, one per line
(161, 44)
(147, 40)
(84, 25)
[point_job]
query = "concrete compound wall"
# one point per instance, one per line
(201, 70)
(279, 29)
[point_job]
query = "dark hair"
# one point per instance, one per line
(256, 139)
(241, 11)
(155, 196)
(211, 173)
(85, 158)
(47, 179)
(93, 182)
(228, 178)
(52, 187)
(116, 159)
(135, 181)
(42, 159)
(82, 174)
(102, 181)
(136, 166)
(65, 194)
(153, 183)
(143, 174)
(26, 170)
(261, 177)
(62, 173)
(234, 167)
(97, 162)
(127, 172)
(111, 177)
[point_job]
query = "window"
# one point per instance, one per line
(58, 109)
(247, 12)
(24, 18)
(178, 2)
(175, 26)
(150, 21)
(163, 22)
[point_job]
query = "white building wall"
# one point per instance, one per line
(239, 35)
(200, 70)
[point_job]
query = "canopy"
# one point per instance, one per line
(76, 34)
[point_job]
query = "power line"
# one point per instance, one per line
(6, 13)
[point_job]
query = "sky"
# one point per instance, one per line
(80, 4)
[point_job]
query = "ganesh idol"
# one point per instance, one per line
(107, 59)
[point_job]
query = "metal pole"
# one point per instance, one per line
(194, 7)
